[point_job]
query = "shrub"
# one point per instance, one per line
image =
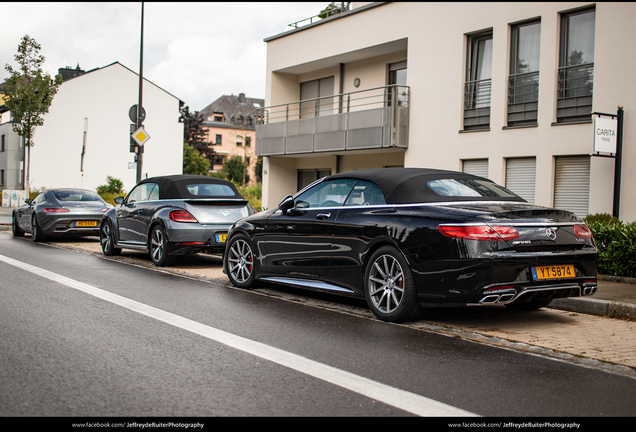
(616, 243)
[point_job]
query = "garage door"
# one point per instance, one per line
(572, 184)
(521, 176)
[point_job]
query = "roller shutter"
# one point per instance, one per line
(478, 167)
(572, 184)
(521, 176)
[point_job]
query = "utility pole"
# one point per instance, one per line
(140, 148)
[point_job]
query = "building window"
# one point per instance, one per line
(308, 176)
(239, 140)
(219, 137)
(523, 82)
(576, 67)
(478, 82)
(248, 141)
(397, 77)
(320, 88)
(218, 118)
(2, 143)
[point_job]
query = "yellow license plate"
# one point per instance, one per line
(553, 272)
(86, 223)
(220, 238)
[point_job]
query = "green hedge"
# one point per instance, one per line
(616, 242)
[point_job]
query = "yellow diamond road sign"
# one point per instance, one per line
(140, 136)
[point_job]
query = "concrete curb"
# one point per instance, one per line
(590, 306)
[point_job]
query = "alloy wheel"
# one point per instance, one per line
(240, 261)
(386, 284)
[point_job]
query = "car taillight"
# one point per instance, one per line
(55, 210)
(182, 216)
(479, 232)
(582, 231)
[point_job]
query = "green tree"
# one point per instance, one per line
(28, 93)
(234, 169)
(112, 186)
(194, 134)
(193, 161)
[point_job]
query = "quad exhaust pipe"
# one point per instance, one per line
(508, 295)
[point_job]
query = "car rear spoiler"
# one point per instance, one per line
(217, 201)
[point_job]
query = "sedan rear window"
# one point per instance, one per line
(468, 188)
(209, 190)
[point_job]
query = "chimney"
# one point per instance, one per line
(68, 72)
(241, 98)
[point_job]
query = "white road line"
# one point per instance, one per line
(404, 400)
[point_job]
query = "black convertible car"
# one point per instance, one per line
(408, 238)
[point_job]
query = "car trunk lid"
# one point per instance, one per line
(218, 211)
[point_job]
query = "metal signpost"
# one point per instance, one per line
(608, 138)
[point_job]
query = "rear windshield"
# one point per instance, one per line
(76, 196)
(210, 190)
(469, 188)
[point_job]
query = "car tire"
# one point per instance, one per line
(36, 231)
(107, 240)
(529, 305)
(389, 286)
(240, 262)
(15, 228)
(158, 247)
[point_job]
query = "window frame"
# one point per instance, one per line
(582, 105)
(477, 93)
(526, 109)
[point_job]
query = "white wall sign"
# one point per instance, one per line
(605, 135)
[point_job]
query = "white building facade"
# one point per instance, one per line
(90, 115)
(503, 90)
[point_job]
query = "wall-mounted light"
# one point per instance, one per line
(356, 82)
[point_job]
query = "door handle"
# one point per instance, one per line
(322, 216)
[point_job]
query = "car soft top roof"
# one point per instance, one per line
(410, 185)
(174, 186)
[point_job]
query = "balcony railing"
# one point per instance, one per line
(367, 119)
(477, 104)
(333, 9)
(574, 95)
(523, 99)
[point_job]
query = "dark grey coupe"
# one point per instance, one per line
(60, 212)
(173, 215)
(408, 238)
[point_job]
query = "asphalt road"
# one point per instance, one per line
(81, 335)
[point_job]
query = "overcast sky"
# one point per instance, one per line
(195, 51)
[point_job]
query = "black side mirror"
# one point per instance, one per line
(286, 204)
(119, 200)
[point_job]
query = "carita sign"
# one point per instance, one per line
(605, 131)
